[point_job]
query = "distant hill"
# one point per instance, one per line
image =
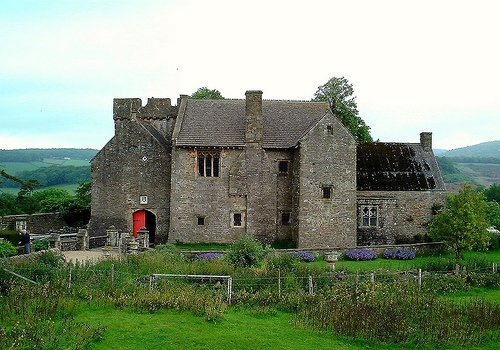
(52, 167)
(478, 164)
(41, 154)
(489, 149)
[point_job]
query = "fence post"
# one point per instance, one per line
(279, 283)
(311, 288)
(495, 267)
(419, 278)
(372, 277)
(112, 276)
(69, 279)
(229, 289)
(151, 280)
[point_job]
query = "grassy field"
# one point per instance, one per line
(239, 329)
(14, 167)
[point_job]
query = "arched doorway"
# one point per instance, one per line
(145, 218)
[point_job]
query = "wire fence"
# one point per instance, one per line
(91, 277)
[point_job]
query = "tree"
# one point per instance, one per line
(493, 214)
(493, 193)
(338, 92)
(204, 93)
(462, 225)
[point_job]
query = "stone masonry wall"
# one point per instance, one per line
(402, 215)
(327, 158)
(132, 165)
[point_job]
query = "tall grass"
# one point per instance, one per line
(400, 313)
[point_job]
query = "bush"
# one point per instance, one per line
(246, 252)
(304, 256)
(40, 244)
(7, 249)
(361, 254)
(283, 262)
(399, 254)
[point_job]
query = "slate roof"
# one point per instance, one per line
(396, 167)
(155, 133)
(221, 123)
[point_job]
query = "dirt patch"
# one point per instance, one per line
(84, 256)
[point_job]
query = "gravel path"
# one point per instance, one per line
(85, 255)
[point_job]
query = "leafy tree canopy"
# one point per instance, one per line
(338, 92)
(205, 93)
(462, 225)
(493, 193)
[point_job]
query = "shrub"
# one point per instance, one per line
(207, 256)
(399, 254)
(304, 256)
(7, 249)
(246, 252)
(361, 254)
(283, 262)
(40, 244)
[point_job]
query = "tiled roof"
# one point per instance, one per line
(221, 123)
(396, 167)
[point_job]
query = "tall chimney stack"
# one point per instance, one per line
(253, 116)
(426, 141)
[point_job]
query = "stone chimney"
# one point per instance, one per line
(426, 141)
(253, 116)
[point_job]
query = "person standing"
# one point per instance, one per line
(25, 241)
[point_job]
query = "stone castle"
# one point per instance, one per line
(214, 170)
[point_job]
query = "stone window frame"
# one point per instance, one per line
(283, 167)
(21, 225)
(211, 163)
(201, 220)
(369, 215)
(329, 129)
(237, 219)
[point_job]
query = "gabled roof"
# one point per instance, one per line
(221, 123)
(396, 167)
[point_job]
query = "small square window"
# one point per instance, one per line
(201, 220)
(285, 219)
(143, 199)
(326, 192)
(237, 219)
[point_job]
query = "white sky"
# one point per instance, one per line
(415, 65)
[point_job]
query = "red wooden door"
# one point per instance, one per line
(139, 221)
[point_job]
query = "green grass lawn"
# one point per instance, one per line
(239, 329)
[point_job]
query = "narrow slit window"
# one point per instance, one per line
(285, 219)
(327, 192)
(329, 130)
(283, 168)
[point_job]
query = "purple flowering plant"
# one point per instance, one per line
(304, 256)
(361, 254)
(399, 254)
(206, 256)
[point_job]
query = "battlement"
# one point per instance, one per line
(156, 108)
